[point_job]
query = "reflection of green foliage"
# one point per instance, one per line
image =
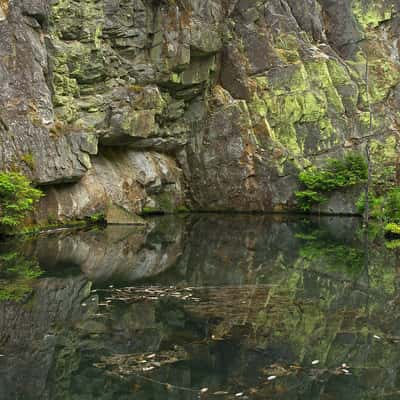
(17, 275)
(318, 245)
(17, 198)
(337, 255)
(337, 174)
(305, 236)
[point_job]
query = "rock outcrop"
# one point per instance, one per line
(210, 105)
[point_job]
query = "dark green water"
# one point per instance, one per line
(243, 306)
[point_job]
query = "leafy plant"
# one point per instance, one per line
(307, 198)
(336, 174)
(17, 199)
(392, 229)
(385, 208)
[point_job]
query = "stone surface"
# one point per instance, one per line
(26, 110)
(238, 95)
(136, 182)
(119, 216)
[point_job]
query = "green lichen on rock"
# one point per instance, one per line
(304, 94)
(287, 48)
(371, 13)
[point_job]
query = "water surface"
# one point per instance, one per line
(208, 306)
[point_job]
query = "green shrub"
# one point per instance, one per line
(337, 174)
(392, 229)
(392, 205)
(376, 205)
(385, 207)
(307, 198)
(17, 199)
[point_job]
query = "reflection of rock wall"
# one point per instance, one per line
(117, 252)
(153, 105)
(201, 249)
(28, 335)
(270, 291)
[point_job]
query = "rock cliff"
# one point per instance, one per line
(163, 105)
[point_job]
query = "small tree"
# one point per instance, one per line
(17, 199)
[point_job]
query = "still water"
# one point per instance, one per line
(201, 307)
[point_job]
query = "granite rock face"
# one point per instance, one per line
(211, 105)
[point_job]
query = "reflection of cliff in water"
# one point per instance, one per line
(116, 253)
(263, 292)
(197, 249)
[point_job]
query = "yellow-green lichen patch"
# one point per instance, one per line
(286, 135)
(313, 105)
(338, 72)
(383, 75)
(287, 48)
(371, 13)
(318, 74)
(299, 103)
(83, 21)
(292, 78)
